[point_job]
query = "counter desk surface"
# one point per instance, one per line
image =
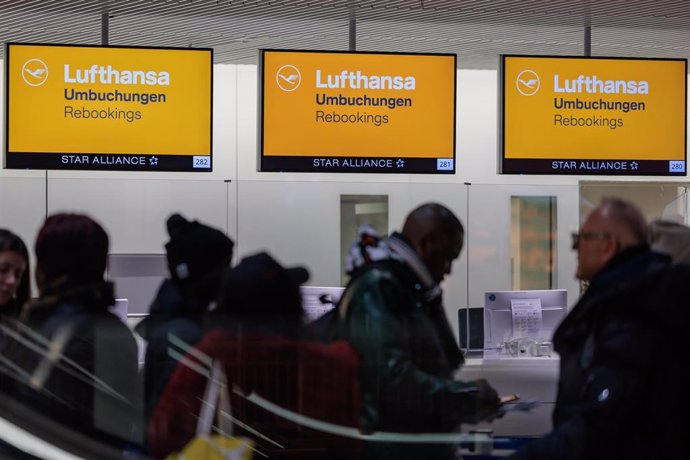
(530, 378)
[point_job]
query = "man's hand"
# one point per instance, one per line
(486, 403)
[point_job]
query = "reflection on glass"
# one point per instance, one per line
(533, 238)
(656, 200)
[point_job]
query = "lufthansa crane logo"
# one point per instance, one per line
(288, 78)
(527, 83)
(35, 72)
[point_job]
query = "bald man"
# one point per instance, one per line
(618, 394)
(396, 322)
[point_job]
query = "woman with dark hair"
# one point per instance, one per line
(80, 359)
(15, 285)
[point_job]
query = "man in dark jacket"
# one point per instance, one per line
(620, 392)
(198, 257)
(396, 323)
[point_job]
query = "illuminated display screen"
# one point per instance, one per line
(108, 108)
(574, 115)
(357, 112)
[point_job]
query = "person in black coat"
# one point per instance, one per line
(619, 391)
(393, 316)
(76, 362)
(198, 258)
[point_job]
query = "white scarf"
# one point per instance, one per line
(370, 247)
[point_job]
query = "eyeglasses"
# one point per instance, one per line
(588, 236)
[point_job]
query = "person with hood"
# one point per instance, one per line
(76, 362)
(198, 257)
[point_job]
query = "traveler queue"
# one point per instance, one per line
(228, 352)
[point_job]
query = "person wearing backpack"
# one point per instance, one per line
(392, 314)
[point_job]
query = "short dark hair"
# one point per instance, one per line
(11, 242)
(74, 246)
(432, 217)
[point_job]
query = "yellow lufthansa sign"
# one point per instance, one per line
(339, 109)
(76, 107)
(593, 115)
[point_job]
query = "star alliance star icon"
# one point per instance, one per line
(400, 163)
(634, 165)
(153, 161)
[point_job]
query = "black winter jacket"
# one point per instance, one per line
(623, 368)
(407, 359)
(170, 316)
(93, 386)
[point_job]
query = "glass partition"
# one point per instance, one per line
(134, 211)
(521, 232)
(656, 200)
(517, 235)
(532, 240)
(23, 209)
(355, 211)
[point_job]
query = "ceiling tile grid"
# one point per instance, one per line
(478, 31)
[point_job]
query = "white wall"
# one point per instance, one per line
(296, 216)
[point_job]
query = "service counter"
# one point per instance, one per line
(531, 378)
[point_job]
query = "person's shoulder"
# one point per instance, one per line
(379, 287)
(672, 288)
(168, 300)
(681, 272)
(385, 277)
(49, 318)
(655, 295)
(384, 270)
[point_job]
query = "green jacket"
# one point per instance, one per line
(407, 359)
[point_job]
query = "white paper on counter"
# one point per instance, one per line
(527, 318)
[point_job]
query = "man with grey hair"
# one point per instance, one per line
(621, 388)
(610, 229)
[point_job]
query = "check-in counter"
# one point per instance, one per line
(531, 378)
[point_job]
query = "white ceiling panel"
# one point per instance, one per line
(478, 31)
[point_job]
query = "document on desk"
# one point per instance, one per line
(527, 319)
(522, 406)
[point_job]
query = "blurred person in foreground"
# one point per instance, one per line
(394, 318)
(15, 283)
(254, 333)
(198, 258)
(623, 375)
(672, 238)
(77, 361)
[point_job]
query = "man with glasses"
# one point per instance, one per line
(619, 396)
(614, 227)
